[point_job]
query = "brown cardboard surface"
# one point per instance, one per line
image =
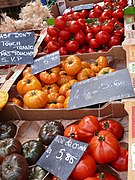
(28, 130)
(55, 10)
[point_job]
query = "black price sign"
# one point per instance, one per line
(61, 156)
(45, 62)
(16, 48)
(81, 7)
(108, 87)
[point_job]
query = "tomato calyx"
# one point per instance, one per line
(70, 62)
(96, 134)
(106, 125)
(33, 93)
(101, 138)
(28, 81)
(53, 102)
(102, 176)
(49, 71)
(72, 135)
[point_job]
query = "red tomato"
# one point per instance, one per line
(82, 23)
(102, 176)
(123, 3)
(119, 13)
(63, 51)
(87, 30)
(108, 5)
(114, 40)
(71, 131)
(104, 147)
(76, 15)
(47, 39)
(53, 46)
(108, 27)
(118, 33)
(68, 11)
(112, 126)
(95, 28)
(69, 17)
(52, 31)
(121, 164)
(80, 37)
(74, 27)
(84, 48)
(103, 37)
(92, 14)
(98, 10)
(86, 167)
(89, 36)
(72, 46)
(94, 43)
(61, 41)
(60, 22)
(90, 50)
(84, 13)
(64, 34)
(87, 127)
(79, 51)
(105, 15)
(56, 178)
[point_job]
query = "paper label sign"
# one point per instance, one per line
(108, 87)
(61, 156)
(81, 7)
(16, 48)
(45, 62)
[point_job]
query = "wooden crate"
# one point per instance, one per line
(11, 3)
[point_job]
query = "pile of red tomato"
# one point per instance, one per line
(72, 33)
(104, 148)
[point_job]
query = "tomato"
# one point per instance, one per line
(98, 10)
(56, 178)
(9, 146)
(29, 82)
(90, 50)
(108, 27)
(86, 167)
(79, 51)
(72, 46)
(64, 34)
(37, 172)
(50, 76)
(89, 36)
(64, 78)
(94, 43)
(112, 126)
(71, 131)
(14, 166)
(53, 46)
(105, 70)
(50, 88)
(123, 3)
(105, 15)
(95, 28)
(7, 130)
(87, 127)
(68, 17)
(52, 31)
(102, 176)
(82, 23)
(118, 33)
(85, 73)
(16, 101)
(35, 99)
(47, 38)
(92, 14)
(63, 51)
(119, 13)
(84, 48)
(55, 100)
(103, 37)
(49, 131)
(60, 22)
(87, 30)
(114, 40)
(65, 89)
(74, 27)
(104, 147)
(61, 41)
(80, 37)
(121, 164)
(84, 13)
(72, 65)
(108, 5)
(76, 15)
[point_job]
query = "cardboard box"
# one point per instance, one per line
(55, 10)
(30, 129)
(117, 58)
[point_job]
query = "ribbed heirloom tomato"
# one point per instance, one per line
(102, 176)
(71, 131)
(87, 127)
(104, 147)
(85, 73)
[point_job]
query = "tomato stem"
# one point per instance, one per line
(28, 81)
(101, 176)
(72, 135)
(101, 138)
(106, 125)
